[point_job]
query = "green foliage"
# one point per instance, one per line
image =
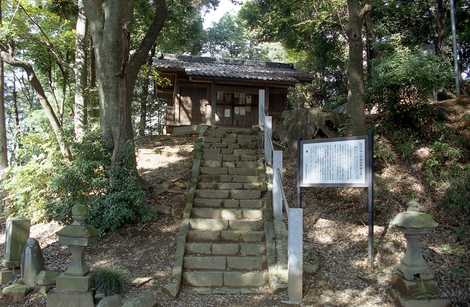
(442, 163)
(402, 80)
(458, 193)
(444, 172)
(226, 37)
(110, 280)
(383, 151)
(312, 95)
(312, 32)
(46, 188)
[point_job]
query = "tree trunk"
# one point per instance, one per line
(117, 71)
(370, 39)
(41, 95)
(440, 24)
(3, 124)
(15, 104)
(80, 69)
(355, 105)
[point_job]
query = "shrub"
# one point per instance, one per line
(458, 194)
(442, 163)
(110, 281)
(46, 188)
(402, 81)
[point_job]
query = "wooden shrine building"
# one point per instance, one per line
(204, 90)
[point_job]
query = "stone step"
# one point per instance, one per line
(232, 186)
(233, 164)
(227, 279)
(207, 224)
(233, 194)
(225, 236)
(227, 214)
(230, 263)
(226, 249)
(228, 203)
(229, 157)
(229, 291)
(231, 178)
(244, 171)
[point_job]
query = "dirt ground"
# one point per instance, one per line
(335, 234)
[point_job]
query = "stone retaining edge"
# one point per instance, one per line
(173, 287)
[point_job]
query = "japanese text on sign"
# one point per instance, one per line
(337, 162)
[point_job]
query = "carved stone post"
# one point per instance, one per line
(74, 285)
(413, 281)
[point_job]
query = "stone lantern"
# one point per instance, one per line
(74, 286)
(413, 281)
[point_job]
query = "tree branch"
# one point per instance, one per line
(50, 46)
(141, 54)
(366, 9)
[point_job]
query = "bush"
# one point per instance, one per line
(403, 80)
(458, 194)
(110, 281)
(46, 188)
(442, 163)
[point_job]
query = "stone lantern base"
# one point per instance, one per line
(57, 298)
(422, 293)
(71, 291)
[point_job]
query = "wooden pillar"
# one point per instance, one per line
(267, 101)
(261, 108)
(176, 98)
(213, 104)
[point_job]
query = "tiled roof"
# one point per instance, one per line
(231, 69)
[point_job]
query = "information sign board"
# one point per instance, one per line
(334, 162)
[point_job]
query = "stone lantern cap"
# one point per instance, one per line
(413, 218)
(78, 233)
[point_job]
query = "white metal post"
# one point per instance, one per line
(295, 250)
(277, 184)
(261, 103)
(268, 154)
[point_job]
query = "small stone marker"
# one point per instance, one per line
(32, 262)
(16, 234)
(413, 281)
(74, 285)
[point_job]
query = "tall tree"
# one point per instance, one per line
(117, 69)
(356, 91)
(80, 68)
(3, 125)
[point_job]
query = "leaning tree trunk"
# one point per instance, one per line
(80, 104)
(3, 124)
(355, 106)
(117, 70)
(41, 95)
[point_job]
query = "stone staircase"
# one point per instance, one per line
(225, 249)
